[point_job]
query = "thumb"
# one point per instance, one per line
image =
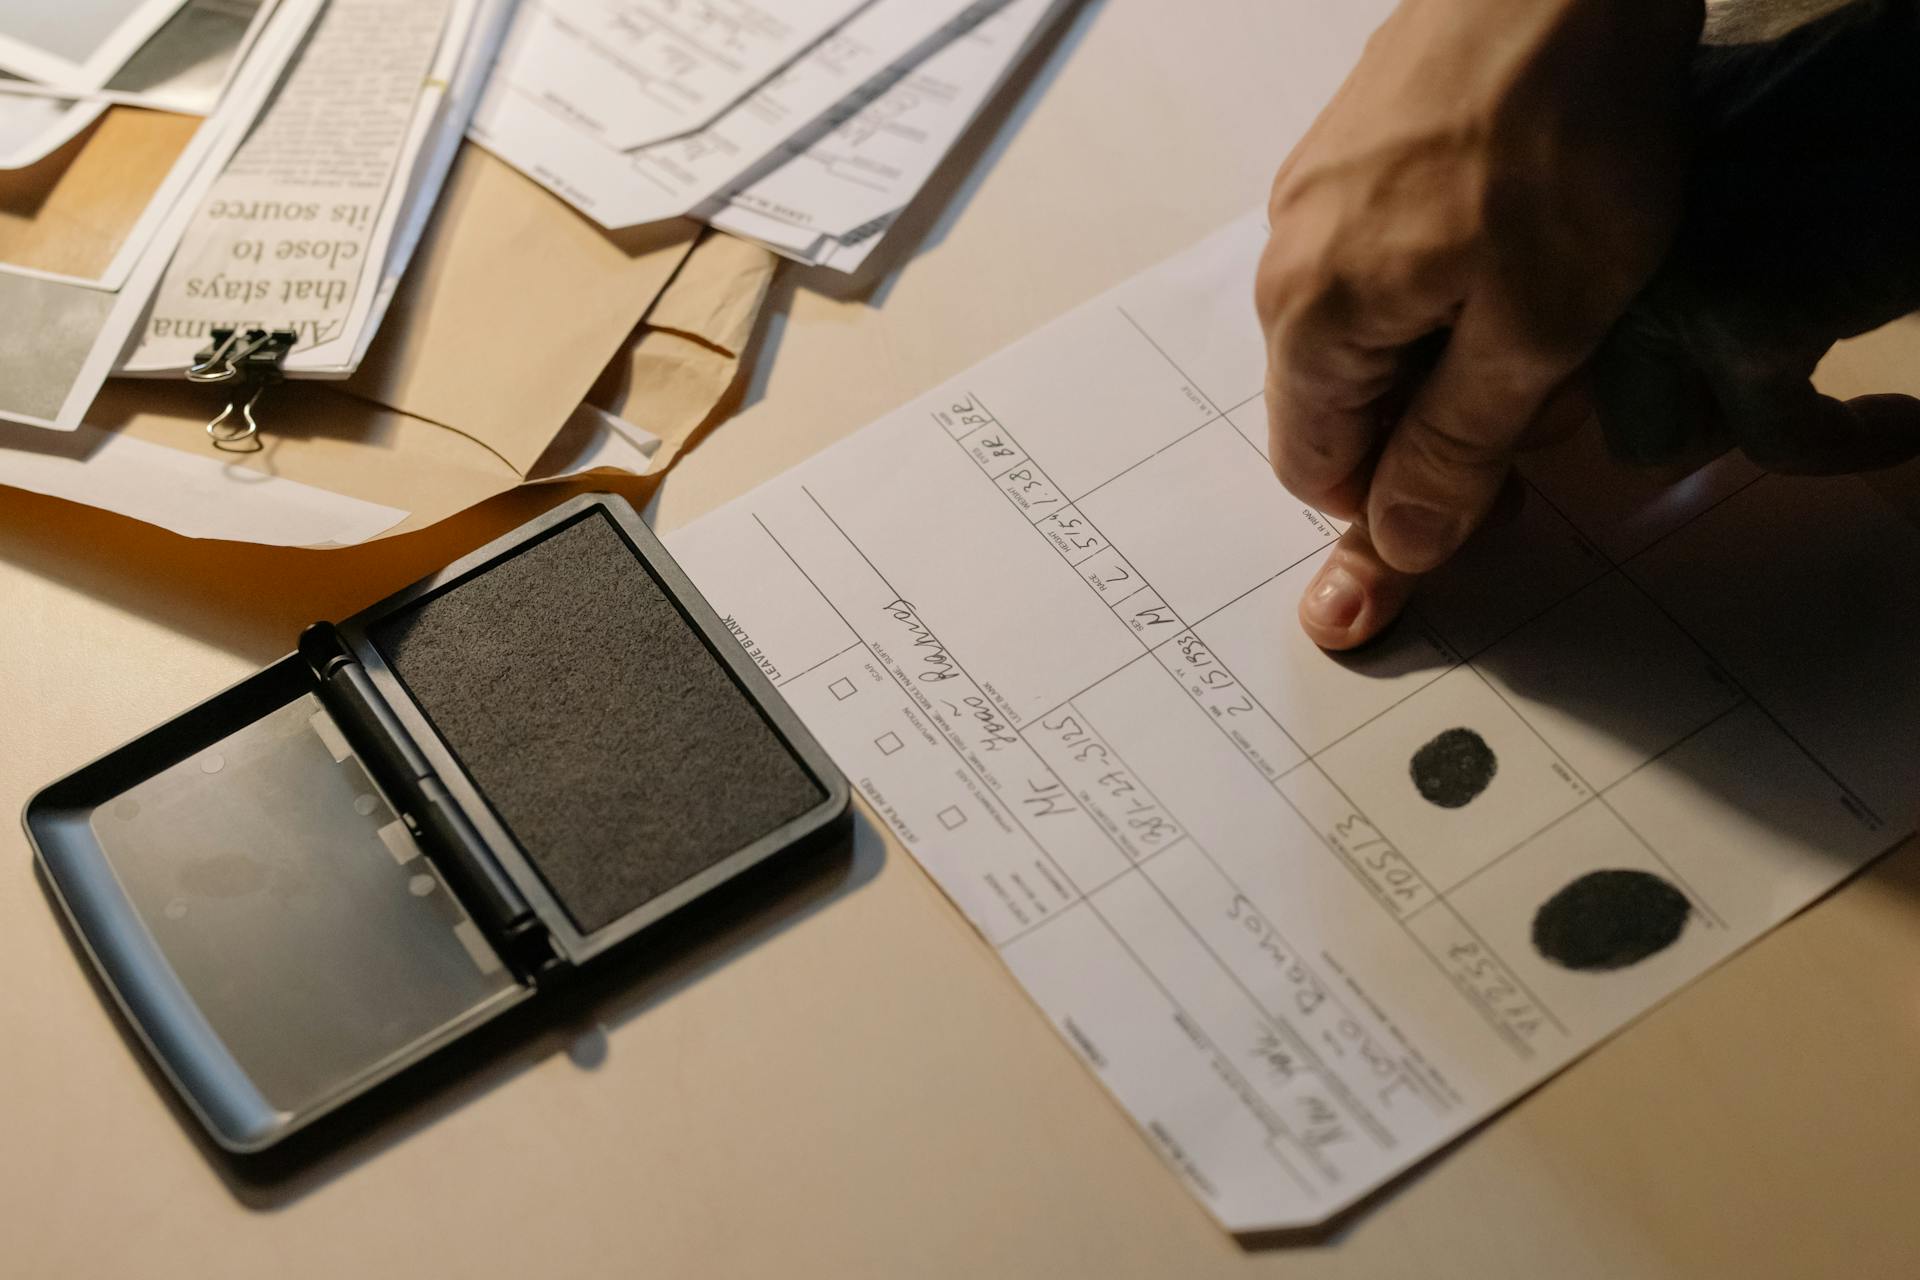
(1451, 452)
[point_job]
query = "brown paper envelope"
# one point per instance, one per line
(666, 381)
(318, 435)
(675, 382)
(70, 212)
(717, 295)
(680, 362)
(511, 308)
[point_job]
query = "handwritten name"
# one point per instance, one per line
(936, 664)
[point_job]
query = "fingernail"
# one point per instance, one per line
(1335, 599)
(1416, 532)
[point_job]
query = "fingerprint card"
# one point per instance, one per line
(1310, 917)
(1454, 777)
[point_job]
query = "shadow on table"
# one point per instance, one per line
(1819, 597)
(1894, 874)
(574, 1020)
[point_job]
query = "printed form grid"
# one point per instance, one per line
(1133, 853)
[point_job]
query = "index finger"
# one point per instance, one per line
(1337, 350)
(1451, 452)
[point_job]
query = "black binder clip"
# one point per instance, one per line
(249, 360)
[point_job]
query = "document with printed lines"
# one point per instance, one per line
(1306, 916)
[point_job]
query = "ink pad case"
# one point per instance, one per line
(425, 816)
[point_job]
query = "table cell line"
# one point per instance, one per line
(1082, 731)
(1383, 896)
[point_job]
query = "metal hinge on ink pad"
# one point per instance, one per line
(432, 816)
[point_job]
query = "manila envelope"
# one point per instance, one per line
(667, 380)
(512, 306)
(680, 362)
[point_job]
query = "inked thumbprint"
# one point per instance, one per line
(1609, 920)
(1454, 768)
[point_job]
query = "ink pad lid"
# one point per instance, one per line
(394, 835)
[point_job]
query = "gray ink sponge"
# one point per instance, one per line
(609, 740)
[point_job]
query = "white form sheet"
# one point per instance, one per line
(525, 120)
(1310, 917)
(642, 71)
(843, 188)
(637, 72)
(294, 233)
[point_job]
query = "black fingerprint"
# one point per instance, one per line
(1609, 920)
(1454, 768)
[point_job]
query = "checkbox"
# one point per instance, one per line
(951, 818)
(842, 688)
(888, 743)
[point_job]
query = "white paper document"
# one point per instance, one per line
(185, 66)
(294, 234)
(33, 127)
(455, 82)
(535, 115)
(190, 61)
(76, 44)
(78, 329)
(837, 195)
(194, 495)
(637, 72)
(1309, 917)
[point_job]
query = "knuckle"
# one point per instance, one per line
(1288, 475)
(1456, 446)
(1272, 282)
(1401, 269)
(1287, 282)
(1304, 451)
(1336, 376)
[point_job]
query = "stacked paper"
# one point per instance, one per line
(169, 168)
(312, 222)
(302, 146)
(805, 126)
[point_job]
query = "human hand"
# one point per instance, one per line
(1802, 227)
(1451, 240)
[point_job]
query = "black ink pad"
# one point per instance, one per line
(619, 753)
(1454, 768)
(1610, 920)
(426, 815)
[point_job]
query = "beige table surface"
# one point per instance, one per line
(845, 1083)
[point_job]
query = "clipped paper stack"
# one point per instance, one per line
(187, 167)
(169, 166)
(278, 165)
